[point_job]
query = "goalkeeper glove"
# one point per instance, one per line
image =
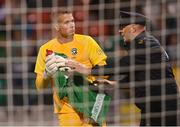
(61, 63)
(50, 66)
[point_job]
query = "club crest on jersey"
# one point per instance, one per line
(74, 51)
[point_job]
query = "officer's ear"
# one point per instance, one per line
(133, 29)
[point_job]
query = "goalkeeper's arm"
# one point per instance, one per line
(96, 71)
(111, 70)
(42, 80)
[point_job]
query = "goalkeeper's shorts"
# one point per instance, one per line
(74, 119)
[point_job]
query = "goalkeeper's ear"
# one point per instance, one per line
(56, 26)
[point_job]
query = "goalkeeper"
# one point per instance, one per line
(84, 53)
(75, 86)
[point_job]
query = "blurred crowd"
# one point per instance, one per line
(26, 24)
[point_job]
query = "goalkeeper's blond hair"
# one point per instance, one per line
(59, 12)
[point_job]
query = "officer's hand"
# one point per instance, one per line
(107, 82)
(78, 67)
(50, 66)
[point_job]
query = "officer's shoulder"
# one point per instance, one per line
(149, 38)
(151, 41)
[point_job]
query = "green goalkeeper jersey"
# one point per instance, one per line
(92, 104)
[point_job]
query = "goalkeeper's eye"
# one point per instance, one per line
(73, 67)
(66, 69)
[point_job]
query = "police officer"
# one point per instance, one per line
(146, 72)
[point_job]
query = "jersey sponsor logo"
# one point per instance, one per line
(97, 106)
(74, 51)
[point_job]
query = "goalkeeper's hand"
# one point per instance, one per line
(78, 67)
(61, 63)
(50, 66)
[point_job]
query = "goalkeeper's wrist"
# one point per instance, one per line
(84, 70)
(78, 67)
(46, 75)
(87, 71)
